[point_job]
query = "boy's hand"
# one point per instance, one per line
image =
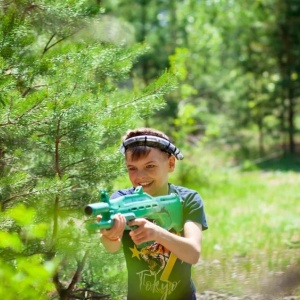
(146, 231)
(116, 232)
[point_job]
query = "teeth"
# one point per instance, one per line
(144, 183)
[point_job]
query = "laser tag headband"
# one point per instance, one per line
(151, 141)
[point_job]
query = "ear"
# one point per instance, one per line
(172, 163)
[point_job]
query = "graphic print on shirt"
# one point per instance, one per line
(160, 263)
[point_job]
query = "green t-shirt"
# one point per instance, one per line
(154, 273)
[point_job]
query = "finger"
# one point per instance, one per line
(118, 226)
(138, 238)
(137, 222)
(110, 234)
(98, 218)
(135, 236)
(119, 222)
(121, 219)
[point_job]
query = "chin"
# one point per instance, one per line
(148, 190)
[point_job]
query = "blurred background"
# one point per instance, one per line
(220, 77)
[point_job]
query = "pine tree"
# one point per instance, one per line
(66, 98)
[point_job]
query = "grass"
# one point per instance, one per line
(254, 222)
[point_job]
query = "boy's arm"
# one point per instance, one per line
(111, 245)
(187, 247)
(111, 238)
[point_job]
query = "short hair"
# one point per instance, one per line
(144, 131)
(149, 138)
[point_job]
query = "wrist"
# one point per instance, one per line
(113, 239)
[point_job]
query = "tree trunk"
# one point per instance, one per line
(261, 137)
(291, 120)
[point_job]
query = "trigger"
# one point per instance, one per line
(132, 227)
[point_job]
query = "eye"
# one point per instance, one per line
(150, 166)
(131, 168)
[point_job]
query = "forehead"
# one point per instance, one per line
(151, 154)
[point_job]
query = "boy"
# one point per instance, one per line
(161, 270)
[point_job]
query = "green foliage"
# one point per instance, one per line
(73, 80)
(253, 219)
(238, 60)
(108, 271)
(66, 100)
(23, 276)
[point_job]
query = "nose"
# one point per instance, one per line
(141, 174)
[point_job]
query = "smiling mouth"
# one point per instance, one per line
(145, 184)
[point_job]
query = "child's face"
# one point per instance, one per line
(151, 171)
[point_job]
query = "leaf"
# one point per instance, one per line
(21, 214)
(10, 240)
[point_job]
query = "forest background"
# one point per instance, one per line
(221, 78)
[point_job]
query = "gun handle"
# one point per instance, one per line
(129, 217)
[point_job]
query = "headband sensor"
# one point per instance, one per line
(151, 141)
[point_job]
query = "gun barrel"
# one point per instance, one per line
(165, 210)
(96, 209)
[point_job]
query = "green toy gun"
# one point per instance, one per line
(165, 211)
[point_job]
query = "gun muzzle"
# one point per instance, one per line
(96, 209)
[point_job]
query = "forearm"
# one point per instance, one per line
(111, 245)
(187, 249)
(111, 238)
